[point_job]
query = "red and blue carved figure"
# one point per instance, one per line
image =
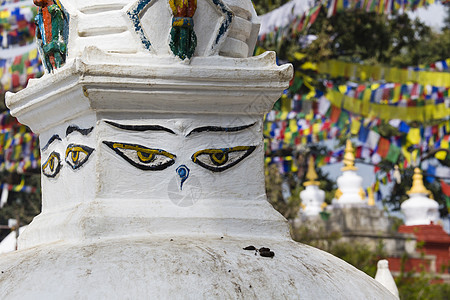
(183, 38)
(50, 22)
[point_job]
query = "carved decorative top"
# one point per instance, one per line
(349, 158)
(51, 24)
(183, 39)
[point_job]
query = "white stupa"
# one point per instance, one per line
(153, 163)
(384, 277)
(312, 197)
(350, 192)
(419, 209)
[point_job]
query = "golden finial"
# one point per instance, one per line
(311, 175)
(323, 205)
(371, 200)
(349, 158)
(417, 185)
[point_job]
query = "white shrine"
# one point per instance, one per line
(350, 192)
(313, 198)
(419, 209)
(153, 163)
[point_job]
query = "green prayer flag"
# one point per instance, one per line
(393, 153)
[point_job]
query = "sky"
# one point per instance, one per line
(432, 16)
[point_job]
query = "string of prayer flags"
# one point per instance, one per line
(15, 72)
(362, 72)
(21, 187)
(17, 27)
(294, 16)
(19, 149)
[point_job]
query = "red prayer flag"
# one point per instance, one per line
(445, 188)
(383, 147)
(335, 113)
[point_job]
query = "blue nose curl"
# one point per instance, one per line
(183, 172)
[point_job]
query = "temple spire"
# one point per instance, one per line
(311, 175)
(349, 157)
(417, 185)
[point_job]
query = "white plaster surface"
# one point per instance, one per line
(185, 268)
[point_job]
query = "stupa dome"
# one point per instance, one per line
(312, 197)
(350, 191)
(419, 209)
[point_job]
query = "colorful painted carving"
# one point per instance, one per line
(51, 22)
(54, 138)
(77, 155)
(218, 160)
(219, 129)
(142, 157)
(183, 172)
(183, 39)
(52, 165)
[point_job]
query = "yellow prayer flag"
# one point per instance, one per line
(32, 54)
(5, 14)
(413, 136)
(441, 155)
(406, 154)
(309, 65)
(287, 137)
(316, 128)
(27, 165)
(299, 56)
(293, 125)
(356, 125)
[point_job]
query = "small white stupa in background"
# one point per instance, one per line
(153, 162)
(350, 192)
(419, 209)
(384, 277)
(312, 197)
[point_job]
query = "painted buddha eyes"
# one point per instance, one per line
(218, 160)
(52, 166)
(142, 157)
(77, 155)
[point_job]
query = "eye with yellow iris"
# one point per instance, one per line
(218, 160)
(52, 165)
(141, 157)
(77, 155)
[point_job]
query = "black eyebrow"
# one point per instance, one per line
(73, 128)
(140, 127)
(219, 129)
(51, 140)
